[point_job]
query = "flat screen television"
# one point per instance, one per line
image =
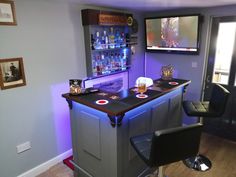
(173, 34)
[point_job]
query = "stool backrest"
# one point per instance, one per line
(175, 144)
(218, 100)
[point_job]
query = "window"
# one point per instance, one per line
(224, 52)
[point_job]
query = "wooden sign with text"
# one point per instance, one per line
(98, 17)
(106, 19)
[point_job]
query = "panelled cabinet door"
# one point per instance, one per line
(175, 111)
(159, 118)
(137, 125)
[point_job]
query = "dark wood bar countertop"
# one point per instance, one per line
(125, 100)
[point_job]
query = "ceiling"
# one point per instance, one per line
(149, 5)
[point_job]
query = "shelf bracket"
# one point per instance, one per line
(69, 103)
(116, 120)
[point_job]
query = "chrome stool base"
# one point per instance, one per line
(198, 163)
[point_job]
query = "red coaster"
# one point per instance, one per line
(173, 83)
(101, 102)
(141, 96)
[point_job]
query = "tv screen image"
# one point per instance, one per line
(173, 34)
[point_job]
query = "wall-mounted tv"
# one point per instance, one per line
(173, 34)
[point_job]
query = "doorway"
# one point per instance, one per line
(221, 68)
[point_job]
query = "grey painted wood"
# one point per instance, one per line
(159, 111)
(137, 125)
(104, 151)
(87, 44)
(175, 111)
(91, 139)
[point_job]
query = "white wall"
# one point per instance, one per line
(49, 37)
(137, 59)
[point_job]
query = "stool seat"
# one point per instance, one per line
(200, 109)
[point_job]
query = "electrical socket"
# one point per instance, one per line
(23, 147)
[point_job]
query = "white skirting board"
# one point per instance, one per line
(46, 165)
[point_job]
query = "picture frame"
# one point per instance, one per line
(7, 13)
(12, 73)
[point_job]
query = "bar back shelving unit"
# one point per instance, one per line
(107, 41)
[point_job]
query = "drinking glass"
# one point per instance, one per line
(142, 88)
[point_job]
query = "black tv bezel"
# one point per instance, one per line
(200, 17)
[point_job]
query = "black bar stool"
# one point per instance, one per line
(167, 146)
(213, 108)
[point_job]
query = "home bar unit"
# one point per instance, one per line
(103, 119)
(101, 132)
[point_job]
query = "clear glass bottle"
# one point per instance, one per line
(119, 61)
(103, 63)
(111, 38)
(115, 62)
(117, 39)
(123, 61)
(122, 40)
(112, 62)
(97, 41)
(105, 40)
(92, 42)
(127, 39)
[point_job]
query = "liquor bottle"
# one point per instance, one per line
(112, 62)
(94, 65)
(122, 40)
(115, 62)
(117, 39)
(97, 41)
(92, 42)
(107, 63)
(123, 61)
(119, 61)
(111, 39)
(104, 40)
(99, 69)
(127, 38)
(102, 56)
(103, 63)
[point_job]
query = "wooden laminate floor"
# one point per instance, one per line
(222, 154)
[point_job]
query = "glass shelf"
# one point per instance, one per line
(103, 47)
(111, 72)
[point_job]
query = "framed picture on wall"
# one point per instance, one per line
(7, 13)
(12, 73)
